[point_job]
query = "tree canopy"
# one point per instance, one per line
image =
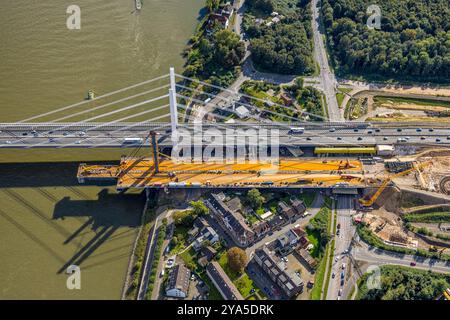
(400, 283)
(215, 56)
(284, 46)
(414, 40)
(199, 208)
(255, 199)
(237, 259)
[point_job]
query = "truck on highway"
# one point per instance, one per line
(298, 130)
(132, 140)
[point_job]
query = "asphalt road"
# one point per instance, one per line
(22, 136)
(344, 210)
(380, 257)
(327, 77)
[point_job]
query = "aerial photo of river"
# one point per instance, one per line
(47, 220)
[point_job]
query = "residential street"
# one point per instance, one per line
(344, 210)
(158, 279)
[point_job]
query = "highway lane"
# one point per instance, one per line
(314, 138)
(91, 134)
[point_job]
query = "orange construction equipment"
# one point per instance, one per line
(370, 202)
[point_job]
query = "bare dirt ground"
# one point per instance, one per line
(412, 106)
(443, 92)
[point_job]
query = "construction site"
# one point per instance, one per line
(414, 209)
(369, 173)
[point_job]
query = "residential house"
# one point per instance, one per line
(209, 252)
(306, 257)
(287, 242)
(199, 224)
(231, 221)
(222, 16)
(287, 211)
(242, 112)
(178, 282)
(222, 282)
(288, 280)
(207, 234)
(287, 100)
(298, 205)
(302, 237)
(261, 229)
(277, 222)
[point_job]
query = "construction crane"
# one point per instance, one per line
(447, 293)
(369, 202)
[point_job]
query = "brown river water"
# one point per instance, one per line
(47, 220)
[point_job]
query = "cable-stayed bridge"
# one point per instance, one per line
(172, 103)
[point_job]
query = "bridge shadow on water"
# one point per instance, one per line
(105, 216)
(47, 174)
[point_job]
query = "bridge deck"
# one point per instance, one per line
(139, 173)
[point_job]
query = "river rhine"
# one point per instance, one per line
(47, 220)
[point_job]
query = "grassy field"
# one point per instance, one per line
(181, 235)
(427, 217)
(319, 226)
(340, 95)
(420, 102)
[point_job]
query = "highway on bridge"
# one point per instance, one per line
(90, 135)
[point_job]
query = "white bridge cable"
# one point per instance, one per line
(145, 133)
(94, 99)
(168, 125)
(249, 96)
(126, 127)
(105, 124)
(99, 116)
(109, 104)
(252, 107)
(306, 133)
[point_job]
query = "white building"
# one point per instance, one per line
(178, 282)
(242, 112)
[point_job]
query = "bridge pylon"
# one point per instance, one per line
(173, 106)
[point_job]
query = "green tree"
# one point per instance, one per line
(199, 208)
(212, 5)
(255, 199)
(237, 259)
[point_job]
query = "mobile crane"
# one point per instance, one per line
(369, 202)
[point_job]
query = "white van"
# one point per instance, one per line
(132, 140)
(299, 130)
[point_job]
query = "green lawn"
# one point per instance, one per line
(189, 258)
(307, 198)
(245, 285)
(223, 261)
(318, 280)
(181, 234)
(313, 237)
